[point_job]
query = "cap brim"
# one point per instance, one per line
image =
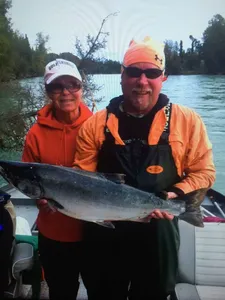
(57, 75)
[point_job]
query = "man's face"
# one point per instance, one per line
(140, 93)
(65, 93)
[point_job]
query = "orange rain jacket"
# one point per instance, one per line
(49, 141)
(191, 148)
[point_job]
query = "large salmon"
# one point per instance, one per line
(90, 196)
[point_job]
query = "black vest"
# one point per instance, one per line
(147, 167)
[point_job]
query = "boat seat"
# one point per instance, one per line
(22, 260)
(201, 262)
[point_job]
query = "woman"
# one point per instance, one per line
(52, 140)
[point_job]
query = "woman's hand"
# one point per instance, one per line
(44, 205)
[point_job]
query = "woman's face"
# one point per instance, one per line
(65, 93)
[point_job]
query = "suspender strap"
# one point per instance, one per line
(108, 135)
(164, 138)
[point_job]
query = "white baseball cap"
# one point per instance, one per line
(60, 67)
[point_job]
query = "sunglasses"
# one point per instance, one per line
(57, 88)
(135, 72)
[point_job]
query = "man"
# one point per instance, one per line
(161, 148)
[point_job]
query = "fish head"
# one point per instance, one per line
(22, 176)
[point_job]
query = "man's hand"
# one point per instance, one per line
(43, 204)
(171, 195)
(157, 214)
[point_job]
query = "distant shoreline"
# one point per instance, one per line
(182, 74)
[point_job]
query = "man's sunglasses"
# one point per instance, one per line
(57, 88)
(135, 72)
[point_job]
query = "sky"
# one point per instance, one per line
(64, 20)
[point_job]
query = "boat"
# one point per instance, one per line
(213, 209)
(201, 272)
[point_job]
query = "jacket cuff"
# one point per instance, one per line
(176, 190)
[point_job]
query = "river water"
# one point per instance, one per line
(205, 94)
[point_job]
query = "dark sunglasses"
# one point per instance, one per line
(57, 88)
(135, 72)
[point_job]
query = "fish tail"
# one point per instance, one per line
(193, 217)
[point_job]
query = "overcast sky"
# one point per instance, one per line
(64, 20)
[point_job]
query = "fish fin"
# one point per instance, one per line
(106, 224)
(193, 217)
(115, 177)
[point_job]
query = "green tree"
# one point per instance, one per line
(18, 107)
(5, 42)
(181, 51)
(5, 24)
(15, 51)
(22, 55)
(173, 60)
(39, 56)
(214, 45)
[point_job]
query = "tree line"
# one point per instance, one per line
(19, 60)
(205, 56)
(19, 104)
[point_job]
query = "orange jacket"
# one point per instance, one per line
(49, 141)
(191, 148)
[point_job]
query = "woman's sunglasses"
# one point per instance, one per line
(135, 72)
(57, 88)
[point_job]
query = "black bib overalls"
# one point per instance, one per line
(138, 260)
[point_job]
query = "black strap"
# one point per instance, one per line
(108, 135)
(164, 138)
(112, 108)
